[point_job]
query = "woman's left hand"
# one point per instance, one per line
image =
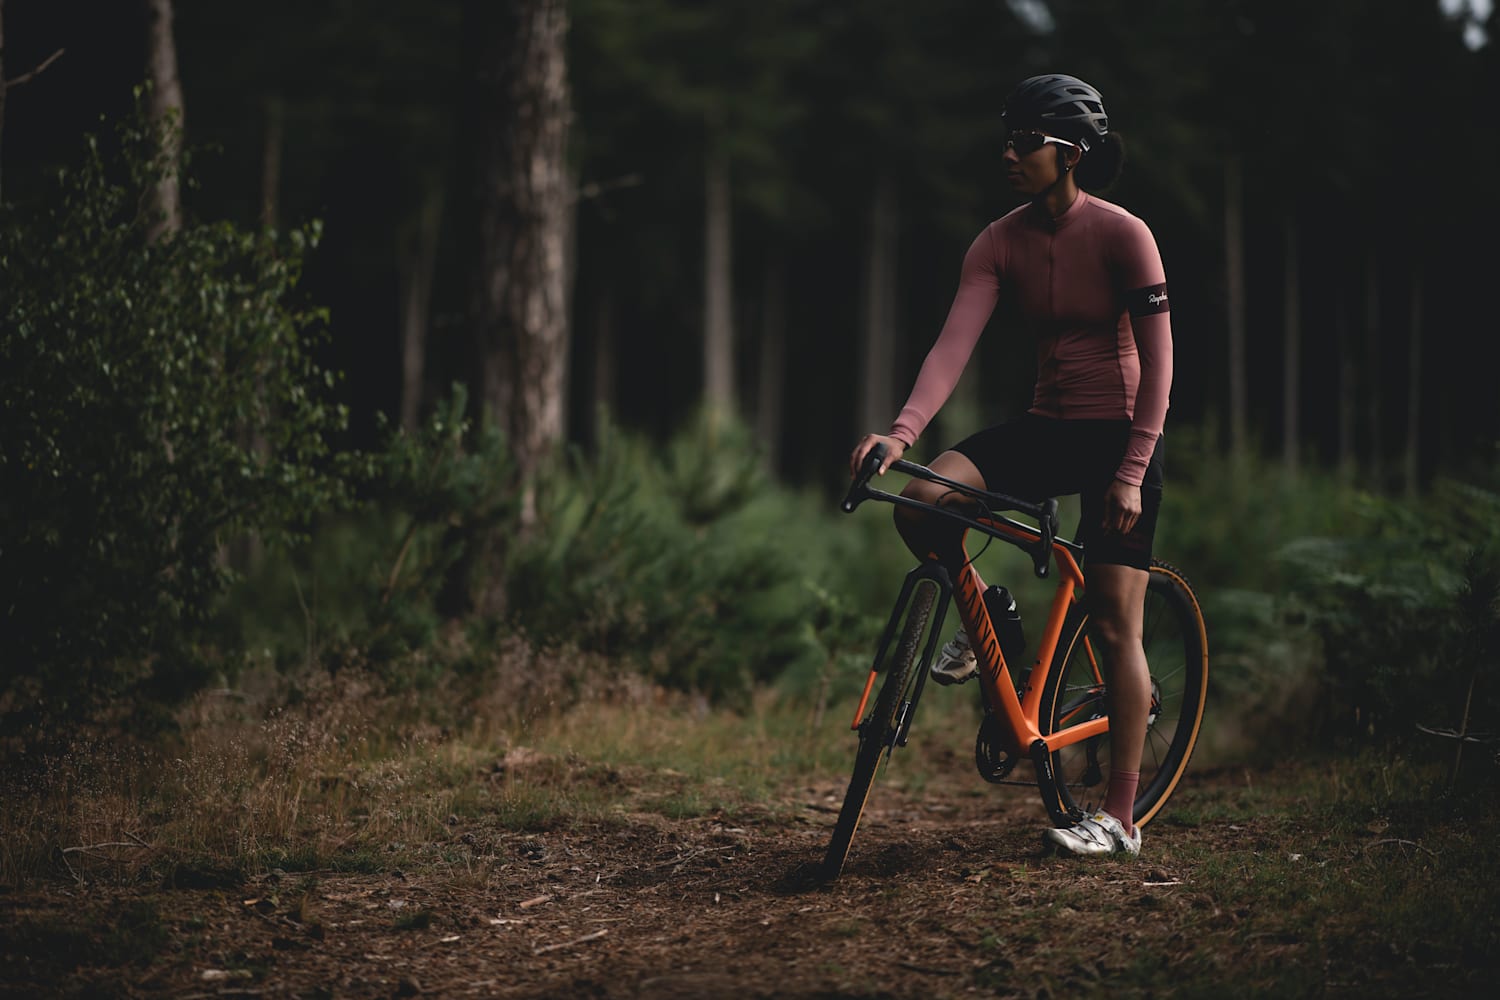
(1122, 507)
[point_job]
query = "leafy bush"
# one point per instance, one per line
(1407, 608)
(693, 567)
(375, 582)
(157, 401)
(682, 562)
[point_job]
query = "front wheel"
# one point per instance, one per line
(1176, 643)
(879, 729)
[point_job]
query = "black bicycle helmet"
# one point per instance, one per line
(1060, 105)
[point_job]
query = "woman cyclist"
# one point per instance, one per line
(1087, 280)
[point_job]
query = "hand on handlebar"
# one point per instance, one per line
(894, 449)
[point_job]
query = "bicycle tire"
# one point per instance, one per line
(1176, 641)
(878, 729)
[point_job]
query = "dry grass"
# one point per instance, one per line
(336, 772)
(472, 827)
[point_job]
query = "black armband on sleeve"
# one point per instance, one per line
(1148, 300)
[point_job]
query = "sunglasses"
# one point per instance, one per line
(1026, 143)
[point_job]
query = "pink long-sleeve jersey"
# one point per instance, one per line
(1090, 287)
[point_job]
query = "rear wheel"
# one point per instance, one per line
(1176, 642)
(878, 729)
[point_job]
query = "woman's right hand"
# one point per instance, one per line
(894, 449)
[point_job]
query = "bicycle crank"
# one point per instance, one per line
(990, 756)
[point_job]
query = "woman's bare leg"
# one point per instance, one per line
(916, 529)
(1117, 600)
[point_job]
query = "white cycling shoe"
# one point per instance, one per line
(1101, 833)
(955, 662)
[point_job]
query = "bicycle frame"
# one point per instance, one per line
(1016, 709)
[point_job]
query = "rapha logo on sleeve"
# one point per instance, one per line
(1148, 300)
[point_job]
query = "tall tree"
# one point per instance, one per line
(1374, 364)
(519, 311)
(719, 374)
(1348, 383)
(709, 84)
(165, 104)
(771, 369)
(1291, 360)
(1411, 466)
(416, 260)
(272, 146)
(1234, 263)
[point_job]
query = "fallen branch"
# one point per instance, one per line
(680, 859)
(95, 847)
(568, 944)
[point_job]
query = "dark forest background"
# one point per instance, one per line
(858, 146)
(305, 407)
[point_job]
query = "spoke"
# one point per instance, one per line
(1174, 672)
(1158, 744)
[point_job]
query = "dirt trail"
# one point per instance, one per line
(947, 893)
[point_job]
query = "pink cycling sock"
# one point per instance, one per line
(1119, 801)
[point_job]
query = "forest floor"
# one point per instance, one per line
(1300, 881)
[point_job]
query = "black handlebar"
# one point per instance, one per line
(1045, 512)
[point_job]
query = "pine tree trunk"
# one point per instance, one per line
(1291, 388)
(520, 316)
(1414, 386)
(165, 105)
(247, 553)
(604, 355)
(270, 164)
(771, 386)
(1234, 260)
(416, 257)
(718, 288)
(877, 346)
(1373, 364)
(1348, 387)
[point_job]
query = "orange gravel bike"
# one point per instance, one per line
(1053, 711)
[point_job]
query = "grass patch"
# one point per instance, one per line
(1356, 873)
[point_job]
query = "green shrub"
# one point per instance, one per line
(1406, 606)
(374, 582)
(158, 400)
(687, 562)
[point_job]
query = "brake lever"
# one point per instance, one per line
(1047, 523)
(859, 490)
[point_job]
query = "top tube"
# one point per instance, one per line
(1045, 513)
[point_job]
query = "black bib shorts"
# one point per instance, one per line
(1033, 458)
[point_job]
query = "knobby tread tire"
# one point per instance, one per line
(877, 731)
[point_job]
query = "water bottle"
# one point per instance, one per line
(1006, 620)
